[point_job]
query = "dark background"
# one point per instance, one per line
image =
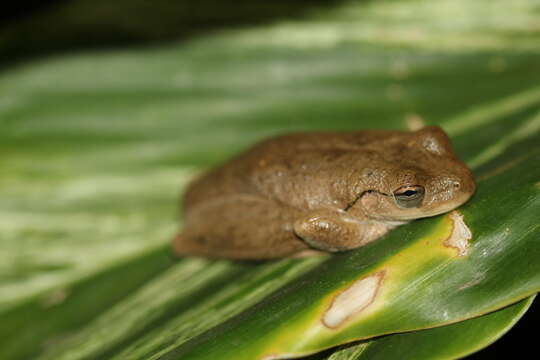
(35, 29)
(32, 28)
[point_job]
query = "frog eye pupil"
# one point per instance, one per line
(409, 196)
(409, 193)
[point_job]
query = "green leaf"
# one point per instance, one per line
(41, 320)
(445, 342)
(96, 147)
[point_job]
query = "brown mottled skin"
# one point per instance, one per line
(331, 191)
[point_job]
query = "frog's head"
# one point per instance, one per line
(420, 176)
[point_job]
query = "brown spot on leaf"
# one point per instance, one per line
(276, 357)
(270, 357)
(353, 300)
(460, 235)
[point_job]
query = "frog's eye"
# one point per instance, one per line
(409, 196)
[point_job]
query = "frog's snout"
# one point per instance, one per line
(457, 191)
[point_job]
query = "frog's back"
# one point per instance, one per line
(282, 165)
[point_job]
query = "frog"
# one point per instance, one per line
(308, 193)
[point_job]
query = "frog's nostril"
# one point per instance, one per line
(456, 185)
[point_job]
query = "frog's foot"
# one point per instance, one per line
(336, 230)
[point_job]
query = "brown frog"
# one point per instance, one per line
(330, 191)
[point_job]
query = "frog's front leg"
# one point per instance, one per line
(336, 230)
